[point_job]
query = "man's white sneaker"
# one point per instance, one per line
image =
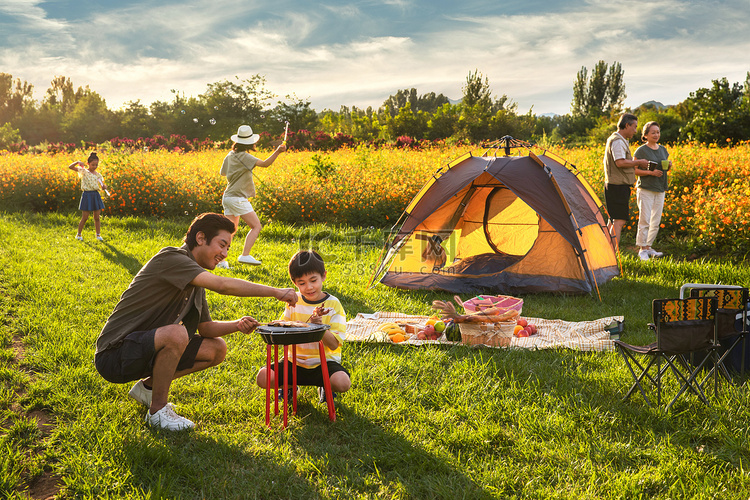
(141, 394)
(166, 418)
(248, 259)
(654, 253)
(223, 264)
(643, 255)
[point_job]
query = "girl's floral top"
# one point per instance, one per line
(90, 180)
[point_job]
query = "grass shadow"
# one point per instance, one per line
(190, 464)
(386, 463)
(117, 257)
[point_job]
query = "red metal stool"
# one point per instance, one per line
(326, 381)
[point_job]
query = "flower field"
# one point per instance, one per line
(708, 203)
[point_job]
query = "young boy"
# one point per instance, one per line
(308, 272)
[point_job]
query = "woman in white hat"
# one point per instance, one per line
(238, 169)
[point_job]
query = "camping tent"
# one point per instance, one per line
(504, 224)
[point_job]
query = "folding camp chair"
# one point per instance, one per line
(732, 306)
(683, 327)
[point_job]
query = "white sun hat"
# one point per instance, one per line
(245, 135)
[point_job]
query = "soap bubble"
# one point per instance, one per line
(212, 121)
(195, 120)
(262, 116)
(182, 111)
(216, 107)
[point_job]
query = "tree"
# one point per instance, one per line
(13, 97)
(8, 136)
(478, 109)
(600, 94)
(408, 123)
(580, 96)
(477, 92)
(596, 96)
(90, 120)
(296, 111)
(61, 96)
(400, 99)
(229, 104)
(717, 114)
(444, 122)
(615, 89)
(429, 103)
(135, 121)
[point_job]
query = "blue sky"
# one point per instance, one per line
(358, 53)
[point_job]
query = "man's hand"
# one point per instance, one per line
(287, 295)
(247, 324)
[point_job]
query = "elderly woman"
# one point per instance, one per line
(651, 188)
(238, 168)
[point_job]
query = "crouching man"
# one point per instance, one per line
(161, 329)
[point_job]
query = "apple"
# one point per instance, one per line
(439, 326)
(429, 330)
(531, 328)
(421, 336)
(522, 322)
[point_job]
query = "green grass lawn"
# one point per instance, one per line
(420, 422)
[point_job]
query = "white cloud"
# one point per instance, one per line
(353, 54)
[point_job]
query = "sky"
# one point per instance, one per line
(358, 53)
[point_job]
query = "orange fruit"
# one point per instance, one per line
(399, 337)
(517, 329)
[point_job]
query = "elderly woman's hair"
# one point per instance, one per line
(647, 128)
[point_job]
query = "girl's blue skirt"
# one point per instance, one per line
(91, 201)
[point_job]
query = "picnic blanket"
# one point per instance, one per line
(551, 333)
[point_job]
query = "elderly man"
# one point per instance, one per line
(620, 170)
(161, 329)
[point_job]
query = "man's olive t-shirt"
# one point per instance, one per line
(159, 295)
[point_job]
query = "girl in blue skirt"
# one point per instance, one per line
(91, 200)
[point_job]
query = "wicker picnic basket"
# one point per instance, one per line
(500, 302)
(491, 334)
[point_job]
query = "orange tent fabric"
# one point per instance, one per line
(505, 224)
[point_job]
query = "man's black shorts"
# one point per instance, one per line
(133, 358)
(308, 376)
(617, 198)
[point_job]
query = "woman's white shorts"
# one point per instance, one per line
(236, 206)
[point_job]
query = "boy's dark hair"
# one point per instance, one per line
(305, 262)
(209, 224)
(625, 120)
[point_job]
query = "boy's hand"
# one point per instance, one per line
(247, 324)
(321, 311)
(318, 314)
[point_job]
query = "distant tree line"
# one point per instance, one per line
(66, 114)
